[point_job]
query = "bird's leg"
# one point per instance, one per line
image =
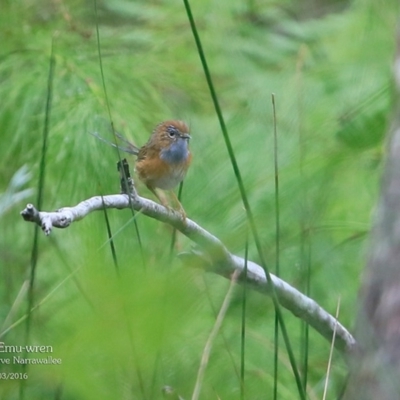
(164, 202)
(179, 204)
(161, 199)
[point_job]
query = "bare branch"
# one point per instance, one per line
(212, 255)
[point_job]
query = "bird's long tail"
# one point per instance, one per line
(131, 148)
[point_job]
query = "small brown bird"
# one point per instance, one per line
(163, 161)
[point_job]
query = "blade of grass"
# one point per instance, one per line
(120, 230)
(277, 246)
(16, 305)
(110, 238)
(65, 261)
(112, 122)
(305, 249)
(331, 351)
(305, 243)
(223, 337)
(39, 201)
(207, 348)
(173, 236)
(38, 304)
(243, 330)
(244, 198)
(125, 178)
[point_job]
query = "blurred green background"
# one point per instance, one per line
(125, 335)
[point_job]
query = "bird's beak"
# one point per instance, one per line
(186, 136)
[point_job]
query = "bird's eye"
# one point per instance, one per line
(172, 131)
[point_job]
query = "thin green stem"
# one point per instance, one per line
(111, 120)
(245, 201)
(243, 331)
(328, 370)
(277, 246)
(305, 242)
(39, 201)
(211, 338)
(110, 237)
(173, 236)
(125, 178)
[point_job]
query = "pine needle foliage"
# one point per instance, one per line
(127, 335)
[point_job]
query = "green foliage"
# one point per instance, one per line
(125, 333)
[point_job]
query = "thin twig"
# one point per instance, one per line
(214, 332)
(331, 352)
